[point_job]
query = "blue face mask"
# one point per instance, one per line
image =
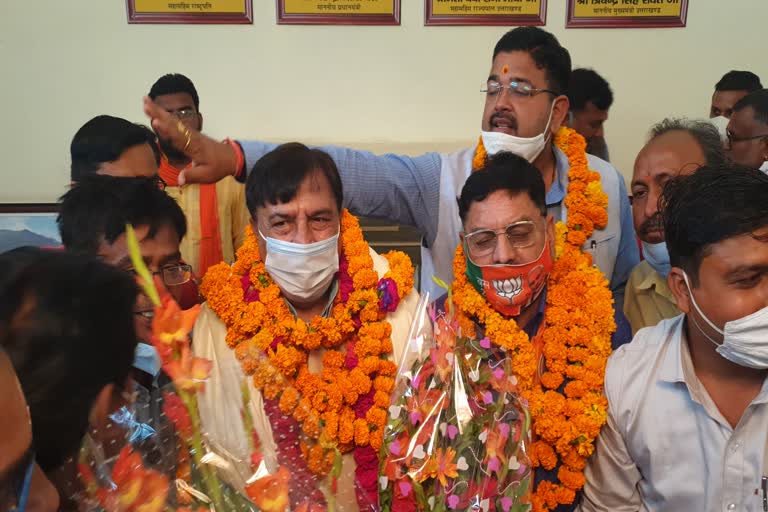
(657, 257)
(146, 359)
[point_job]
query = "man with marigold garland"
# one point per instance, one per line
(304, 328)
(525, 109)
(688, 398)
(521, 282)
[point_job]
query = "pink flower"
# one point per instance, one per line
(389, 298)
(346, 286)
(250, 293)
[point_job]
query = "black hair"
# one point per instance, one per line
(277, 176)
(545, 50)
(739, 81)
(585, 86)
(67, 324)
(709, 206)
(97, 209)
(503, 171)
(704, 133)
(174, 83)
(103, 139)
(758, 100)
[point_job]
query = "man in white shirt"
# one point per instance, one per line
(688, 398)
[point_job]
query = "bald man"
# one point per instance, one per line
(23, 486)
(675, 146)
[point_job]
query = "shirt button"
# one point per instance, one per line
(735, 447)
(731, 506)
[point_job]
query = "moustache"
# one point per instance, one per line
(655, 223)
(511, 121)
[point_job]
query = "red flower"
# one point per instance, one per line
(175, 410)
(188, 372)
(270, 493)
(136, 489)
(389, 298)
(172, 324)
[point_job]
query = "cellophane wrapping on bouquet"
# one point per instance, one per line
(457, 433)
(154, 455)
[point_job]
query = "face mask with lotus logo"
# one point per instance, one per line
(510, 288)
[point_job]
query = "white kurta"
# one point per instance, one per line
(221, 403)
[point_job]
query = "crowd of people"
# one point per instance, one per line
(636, 320)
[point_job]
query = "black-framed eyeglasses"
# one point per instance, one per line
(519, 234)
(184, 113)
(523, 89)
(731, 139)
(15, 486)
(172, 275)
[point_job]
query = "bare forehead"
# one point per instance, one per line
(669, 152)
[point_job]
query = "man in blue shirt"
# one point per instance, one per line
(525, 107)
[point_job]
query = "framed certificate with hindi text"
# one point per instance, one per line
(338, 12)
(626, 13)
(485, 12)
(190, 11)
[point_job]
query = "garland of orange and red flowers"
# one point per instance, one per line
(344, 408)
(576, 337)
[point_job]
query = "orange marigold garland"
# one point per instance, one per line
(576, 337)
(273, 346)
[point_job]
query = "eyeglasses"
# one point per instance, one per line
(184, 113)
(732, 139)
(492, 88)
(172, 275)
(483, 242)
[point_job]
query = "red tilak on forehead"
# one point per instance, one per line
(505, 69)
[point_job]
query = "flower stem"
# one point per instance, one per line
(210, 480)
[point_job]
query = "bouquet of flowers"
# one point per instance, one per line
(155, 471)
(457, 433)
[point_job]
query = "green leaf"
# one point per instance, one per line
(145, 277)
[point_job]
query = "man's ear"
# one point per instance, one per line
(679, 289)
(560, 109)
(102, 406)
(200, 120)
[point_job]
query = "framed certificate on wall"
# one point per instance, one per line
(485, 12)
(626, 13)
(338, 12)
(186, 11)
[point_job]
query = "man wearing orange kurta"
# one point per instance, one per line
(216, 214)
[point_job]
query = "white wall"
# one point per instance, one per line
(409, 88)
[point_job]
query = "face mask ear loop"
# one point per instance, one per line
(701, 314)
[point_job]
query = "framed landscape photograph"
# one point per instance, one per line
(32, 224)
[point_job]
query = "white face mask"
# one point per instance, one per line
(302, 270)
(764, 167)
(657, 257)
(721, 123)
(745, 341)
(527, 147)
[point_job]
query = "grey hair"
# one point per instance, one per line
(704, 132)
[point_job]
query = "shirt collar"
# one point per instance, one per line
(556, 192)
(331, 298)
(653, 279)
(671, 369)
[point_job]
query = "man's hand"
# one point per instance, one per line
(212, 161)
